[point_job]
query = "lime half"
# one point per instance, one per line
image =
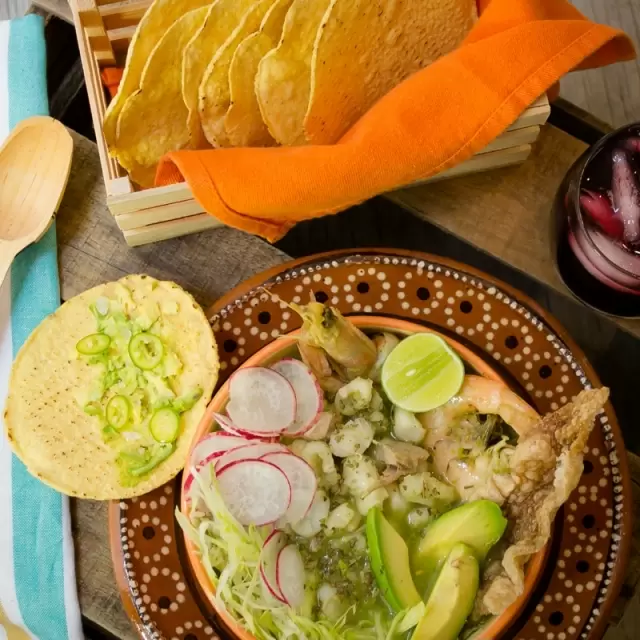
(422, 373)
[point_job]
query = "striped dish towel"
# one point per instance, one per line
(37, 576)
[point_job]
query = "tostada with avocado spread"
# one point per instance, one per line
(105, 395)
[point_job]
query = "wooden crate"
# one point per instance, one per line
(104, 29)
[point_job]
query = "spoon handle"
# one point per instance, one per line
(8, 251)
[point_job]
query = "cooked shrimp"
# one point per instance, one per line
(483, 396)
(350, 353)
(318, 361)
(385, 343)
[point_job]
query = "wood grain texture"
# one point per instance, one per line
(613, 93)
(92, 249)
(35, 159)
(97, 592)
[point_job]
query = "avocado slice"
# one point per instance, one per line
(479, 524)
(452, 598)
(389, 557)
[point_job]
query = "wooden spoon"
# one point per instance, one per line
(35, 161)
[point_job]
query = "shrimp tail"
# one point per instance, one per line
(316, 359)
(351, 351)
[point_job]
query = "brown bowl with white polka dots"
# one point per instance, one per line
(525, 346)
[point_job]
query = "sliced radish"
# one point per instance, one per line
(251, 451)
(262, 402)
(209, 449)
(269, 563)
(290, 575)
(227, 425)
(303, 484)
(188, 483)
(214, 444)
(255, 491)
(309, 396)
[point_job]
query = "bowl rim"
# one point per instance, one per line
(536, 565)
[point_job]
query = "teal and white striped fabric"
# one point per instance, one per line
(37, 576)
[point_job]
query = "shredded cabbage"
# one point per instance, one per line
(230, 555)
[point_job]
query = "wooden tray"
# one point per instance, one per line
(593, 530)
(104, 29)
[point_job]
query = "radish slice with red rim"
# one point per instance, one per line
(303, 484)
(251, 451)
(227, 425)
(309, 396)
(290, 575)
(269, 563)
(214, 444)
(255, 491)
(262, 402)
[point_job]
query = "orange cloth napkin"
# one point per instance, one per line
(111, 77)
(434, 120)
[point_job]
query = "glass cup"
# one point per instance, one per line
(597, 224)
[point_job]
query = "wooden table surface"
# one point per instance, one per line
(501, 212)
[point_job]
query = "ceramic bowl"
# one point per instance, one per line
(281, 348)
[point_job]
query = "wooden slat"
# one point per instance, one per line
(149, 198)
(91, 21)
(123, 14)
(512, 139)
(96, 95)
(121, 35)
(170, 229)
(119, 187)
(484, 162)
(537, 114)
(165, 213)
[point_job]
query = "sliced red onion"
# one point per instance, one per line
(600, 211)
(626, 196)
